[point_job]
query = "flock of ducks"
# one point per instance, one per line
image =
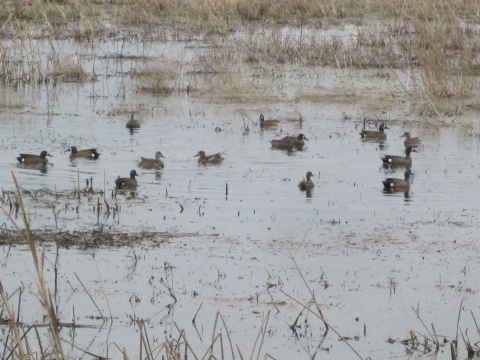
(286, 143)
(392, 184)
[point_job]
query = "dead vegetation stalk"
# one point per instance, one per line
(43, 293)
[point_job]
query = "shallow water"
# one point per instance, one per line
(379, 253)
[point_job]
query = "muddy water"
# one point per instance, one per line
(367, 254)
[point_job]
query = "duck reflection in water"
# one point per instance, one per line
(406, 192)
(43, 168)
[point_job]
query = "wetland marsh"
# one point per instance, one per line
(132, 269)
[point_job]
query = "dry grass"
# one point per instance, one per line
(18, 345)
(436, 43)
(219, 13)
(160, 79)
(73, 73)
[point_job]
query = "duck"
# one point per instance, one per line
(34, 159)
(152, 163)
(399, 160)
(88, 153)
(127, 183)
(132, 123)
(209, 159)
(409, 141)
(392, 183)
(286, 143)
(298, 141)
(380, 134)
(308, 184)
(267, 123)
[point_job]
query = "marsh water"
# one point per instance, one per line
(369, 256)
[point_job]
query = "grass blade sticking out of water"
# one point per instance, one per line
(217, 318)
(14, 330)
(317, 314)
(43, 294)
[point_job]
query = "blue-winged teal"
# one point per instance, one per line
(399, 160)
(127, 183)
(392, 183)
(152, 163)
(298, 141)
(306, 184)
(88, 153)
(34, 159)
(132, 123)
(209, 159)
(267, 123)
(380, 134)
(409, 141)
(286, 143)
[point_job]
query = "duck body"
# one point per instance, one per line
(379, 135)
(132, 123)
(409, 141)
(306, 184)
(392, 183)
(286, 143)
(267, 123)
(152, 163)
(87, 154)
(34, 159)
(209, 159)
(298, 141)
(127, 183)
(394, 160)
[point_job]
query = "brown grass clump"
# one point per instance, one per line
(73, 73)
(159, 79)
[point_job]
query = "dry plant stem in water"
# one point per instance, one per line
(43, 294)
(319, 314)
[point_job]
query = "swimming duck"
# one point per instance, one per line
(88, 154)
(286, 143)
(152, 163)
(34, 159)
(209, 159)
(399, 160)
(392, 183)
(306, 184)
(132, 123)
(409, 141)
(298, 141)
(380, 134)
(130, 183)
(267, 123)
